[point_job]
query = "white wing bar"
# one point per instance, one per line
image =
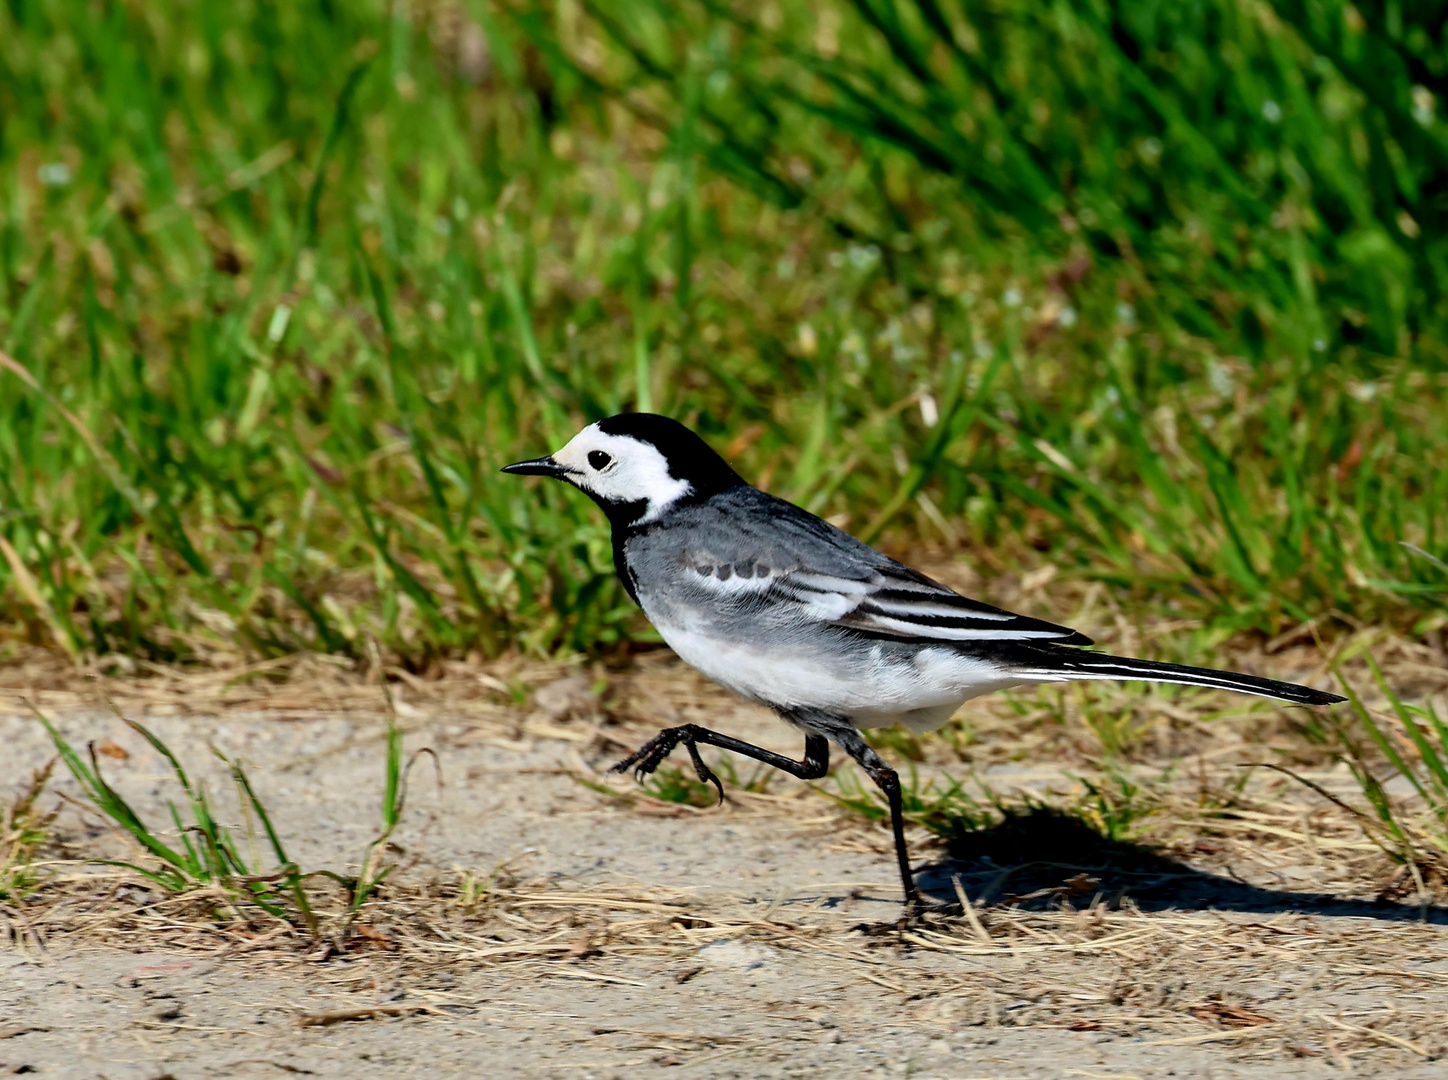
(890, 606)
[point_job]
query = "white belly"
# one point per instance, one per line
(869, 686)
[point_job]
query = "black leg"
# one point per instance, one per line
(888, 781)
(815, 765)
(651, 755)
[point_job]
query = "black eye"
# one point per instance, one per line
(598, 459)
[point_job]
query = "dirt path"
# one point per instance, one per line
(751, 1011)
(626, 937)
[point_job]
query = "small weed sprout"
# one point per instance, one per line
(1415, 748)
(1411, 743)
(1114, 805)
(677, 785)
(1110, 804)
(394, 798)
(672, 784)
(24, 829)
(473, 890)
(476, 890)
(1118, 727)
(207, 856)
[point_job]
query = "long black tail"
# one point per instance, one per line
(1056, 663)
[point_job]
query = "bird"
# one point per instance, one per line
(788, 611)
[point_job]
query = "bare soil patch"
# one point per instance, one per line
(539, 926)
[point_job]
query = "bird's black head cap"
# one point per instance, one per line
(689, 457)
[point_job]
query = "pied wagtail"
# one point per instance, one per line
(788, 611)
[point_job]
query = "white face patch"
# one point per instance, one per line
(618, 469)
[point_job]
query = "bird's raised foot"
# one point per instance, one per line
(651, 755)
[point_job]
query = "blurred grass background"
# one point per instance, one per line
(1153, 293)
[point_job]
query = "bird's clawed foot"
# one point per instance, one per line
(920, 911)
(652, 754)
(705, 774)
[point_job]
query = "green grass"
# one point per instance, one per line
(941, 805)
(1406, 743)
(672, 784)
(1111, 805)
(23, 830)
(198, 852)
(283, 287)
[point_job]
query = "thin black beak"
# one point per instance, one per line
(543, 466)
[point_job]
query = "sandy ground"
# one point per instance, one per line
(630, 937)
